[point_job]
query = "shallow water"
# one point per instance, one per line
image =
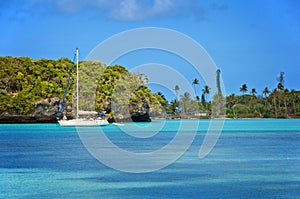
(253, 158)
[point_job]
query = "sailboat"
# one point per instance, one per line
(101, 121)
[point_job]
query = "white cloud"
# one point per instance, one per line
(132, 10)
(161, 6)
(70, 6)
(127, 10)
(121, 10)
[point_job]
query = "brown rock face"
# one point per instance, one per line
(45, 112)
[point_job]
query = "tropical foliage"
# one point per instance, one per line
(121, 93)
(113, 89)
(280, 103)
(24, 81)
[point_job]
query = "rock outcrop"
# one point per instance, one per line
(45, 111)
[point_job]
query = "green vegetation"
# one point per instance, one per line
(24, 82)
(121, 93)
(280, 103)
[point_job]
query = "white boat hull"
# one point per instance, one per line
(102, 122)
(83, 122)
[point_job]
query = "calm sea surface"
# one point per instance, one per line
(253, 158)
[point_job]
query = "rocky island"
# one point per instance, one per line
(31, 91)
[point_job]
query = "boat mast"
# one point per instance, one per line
(77, 95)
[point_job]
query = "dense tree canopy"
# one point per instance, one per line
(24, 81)
(122, 93)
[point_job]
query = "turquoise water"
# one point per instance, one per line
(253, 158)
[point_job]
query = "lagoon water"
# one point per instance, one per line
(253, 158)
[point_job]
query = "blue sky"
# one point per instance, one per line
(250, 41)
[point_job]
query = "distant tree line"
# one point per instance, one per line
(278, 103)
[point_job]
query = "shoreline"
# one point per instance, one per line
(34, 120)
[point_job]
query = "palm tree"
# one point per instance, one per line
(275, 93)
(280, 86)
(203, 101)
(244, 88)
(195, 82)
(253, 92)
(281, 95)
(266, 91)
(280, 78)
(205, 91)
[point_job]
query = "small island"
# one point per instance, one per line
(31, 91)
